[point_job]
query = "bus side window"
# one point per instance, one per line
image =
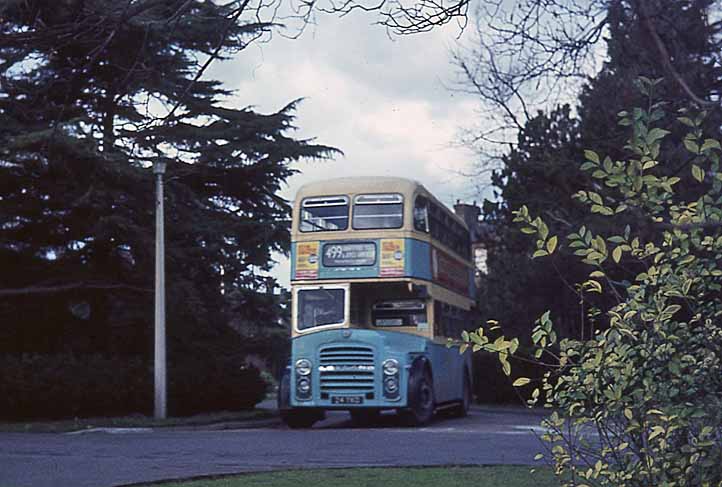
(448, 323)
(438, 319)
(421, 214)
(435, 225)
(460, 322)
(465, 243)
(452, 331)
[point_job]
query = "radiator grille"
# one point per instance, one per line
(346, 368)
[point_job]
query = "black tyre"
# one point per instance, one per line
(462, 409)
(365, 417)
(421, 398)
(283, 400)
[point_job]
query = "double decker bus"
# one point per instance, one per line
(381, 277)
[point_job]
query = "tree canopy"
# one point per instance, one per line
(93, 92)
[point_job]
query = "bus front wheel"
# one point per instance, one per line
(294, 417)
(421, 398)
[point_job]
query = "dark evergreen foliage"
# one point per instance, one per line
(93, 92)
(541, 172)
(695, 53)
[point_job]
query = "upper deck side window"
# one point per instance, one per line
(324, 214)
(421, 214)
(376, 211)
(448, 231)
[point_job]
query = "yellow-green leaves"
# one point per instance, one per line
(691, 146)
(479, 341)
(521, 381)
(656, 431)
(552, 244)
(592, 285)
(505, 365)
(710, 144)
(542, 228)
(597, 203)
(687, 286)
(649, 165)
(539, 253)
(545, 244)
(592, 248)
(543, 334)
(595, 197)
(655, 135)
(591, 156)
(697, 173)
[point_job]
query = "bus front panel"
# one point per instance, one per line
(352, 368)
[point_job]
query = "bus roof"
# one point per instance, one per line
(368, 184)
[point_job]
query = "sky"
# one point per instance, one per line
(384, 102)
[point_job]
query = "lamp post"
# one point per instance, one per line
(159, 356)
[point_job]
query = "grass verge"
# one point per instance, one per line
(493, 476)
(135, 421)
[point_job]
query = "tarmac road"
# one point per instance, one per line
(120, 457)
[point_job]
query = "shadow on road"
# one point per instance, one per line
(479, 418)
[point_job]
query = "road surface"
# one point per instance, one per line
(113, 458)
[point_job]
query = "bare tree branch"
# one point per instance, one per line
(214, 55)
(665, 57)
(525, 56)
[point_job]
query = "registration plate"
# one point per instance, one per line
(347, 399)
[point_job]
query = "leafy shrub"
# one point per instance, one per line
(65, 385)
(640, 403)
(227, 384)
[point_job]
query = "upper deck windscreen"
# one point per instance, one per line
(378, 211)
(324, 214)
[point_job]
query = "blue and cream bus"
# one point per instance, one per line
(381, 276)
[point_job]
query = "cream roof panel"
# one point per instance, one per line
(357, 185)
(369, 184)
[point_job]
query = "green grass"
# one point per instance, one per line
(496, 476)
(137, 421)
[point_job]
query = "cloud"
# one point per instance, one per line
(382, 102)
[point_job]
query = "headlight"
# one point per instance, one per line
(391, 367)
(391, 384)
(303, 366)
(303, 384)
